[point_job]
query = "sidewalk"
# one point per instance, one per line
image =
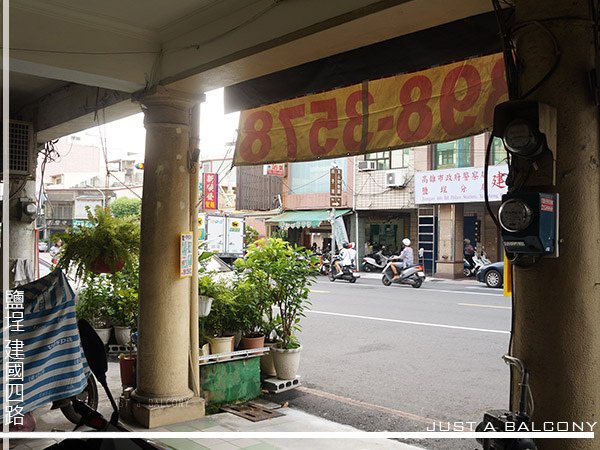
(293, 421)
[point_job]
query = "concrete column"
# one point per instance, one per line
(450, 245)
(557, 301)
(164, 311)
(21, 233)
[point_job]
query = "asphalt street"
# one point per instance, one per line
(401, 359)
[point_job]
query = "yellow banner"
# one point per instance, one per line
(434, 105)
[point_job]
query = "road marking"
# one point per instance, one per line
(484, 306)
(320, 292)
(409, 322)
(460, 292)
(369, 406)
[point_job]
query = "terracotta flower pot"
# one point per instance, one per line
(252, 342)
(267, 368)
(100, 265)
(127, 364)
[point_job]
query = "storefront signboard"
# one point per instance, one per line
(463, 185)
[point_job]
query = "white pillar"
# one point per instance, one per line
(164, 298)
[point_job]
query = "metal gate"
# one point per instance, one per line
(428, 237)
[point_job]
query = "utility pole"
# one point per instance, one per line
(557, 301)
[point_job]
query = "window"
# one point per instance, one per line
(453, 154)
(394, 159)
(313, 177)
(61, 211)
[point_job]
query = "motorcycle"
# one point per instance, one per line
(374, 262)
(325, 264)
(479, 260)
(349, 273)
(412, 275)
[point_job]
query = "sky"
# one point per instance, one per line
(128, 135)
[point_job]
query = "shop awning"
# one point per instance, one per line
(305, 219)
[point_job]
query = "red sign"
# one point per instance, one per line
(276, 170)
(211, 193)
(547, 204)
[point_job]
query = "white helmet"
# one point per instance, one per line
(406, 242)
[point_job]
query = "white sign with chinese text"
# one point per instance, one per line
(463, 185)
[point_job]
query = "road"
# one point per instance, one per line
(397, 358)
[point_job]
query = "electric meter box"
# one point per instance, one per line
(529, 223)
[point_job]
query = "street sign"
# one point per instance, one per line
(335, 187)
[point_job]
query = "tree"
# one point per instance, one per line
(250, 235)
(126, 207)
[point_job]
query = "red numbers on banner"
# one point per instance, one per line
(319, 121)
(254, 134)
(449, 101)
(286, 115)
(355, 120)
(329, 122)
(418, 106)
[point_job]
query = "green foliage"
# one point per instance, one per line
(126, 207)
(280, 233)
(253, 307)
(223, 312)
(250, 235)
(107, 300)
(106, 238)
(210, 286)
(94, 303)
(125, 297)
(280, 274)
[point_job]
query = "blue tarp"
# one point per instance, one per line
(54, 364)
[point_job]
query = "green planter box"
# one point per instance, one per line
(231, 381)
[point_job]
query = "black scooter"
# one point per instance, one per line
(93, 348)
(348, 272)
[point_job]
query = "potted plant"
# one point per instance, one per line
(222, 317)
(251, 305)
(125, 303)
(94, 304)
(285, 273)
(105, 245)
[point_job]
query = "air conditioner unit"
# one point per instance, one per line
(22, 152)
(396, 179)
(364, 166)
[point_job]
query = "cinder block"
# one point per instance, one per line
(275, 385)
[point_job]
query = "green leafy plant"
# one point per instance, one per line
(94, 301)
(281, 275)
(252, 307)
(223, 313)
(208, 286)
(125, 297)
(106, 238)
(250, 235)
(126, 207)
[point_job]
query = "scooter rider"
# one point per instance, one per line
(347, 256)
(406, 256)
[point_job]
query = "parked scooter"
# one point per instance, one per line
(93, 349)
(412, 275)
(325, 265)
(375, 262)
(349, 273)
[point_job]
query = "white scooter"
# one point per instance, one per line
(412, 275)
(375, 262)
(479, 260)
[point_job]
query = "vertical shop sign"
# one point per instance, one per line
(211, 194)
(335, 187)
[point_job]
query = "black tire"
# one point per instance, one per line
(493, 278)
(89, 396)
(367, 268)
(331, 275)
(352, 280)
(466, 272)
(417, 283)
(386, 281)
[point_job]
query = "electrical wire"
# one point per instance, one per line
(485, 183)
